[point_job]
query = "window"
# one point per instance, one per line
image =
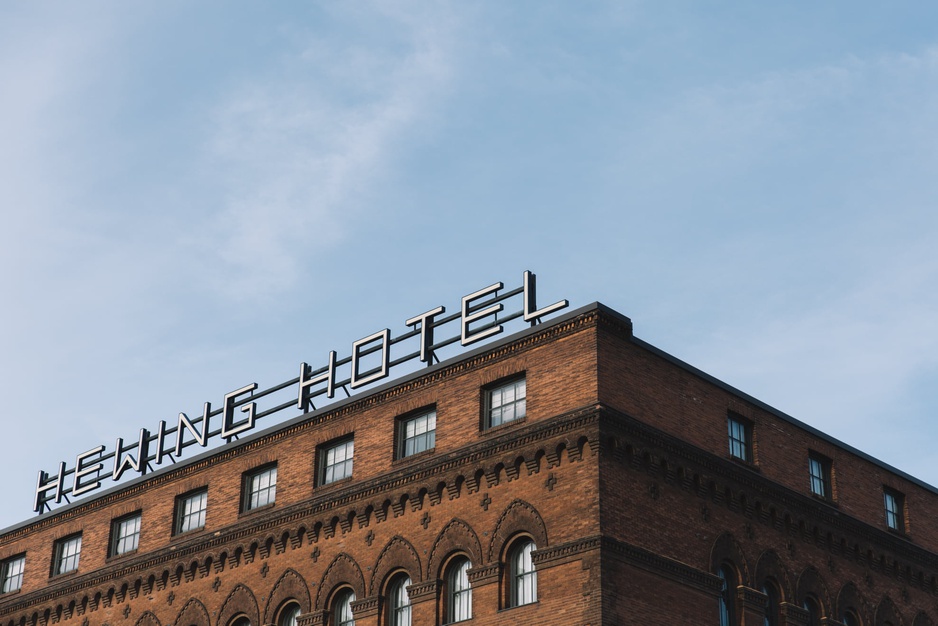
(819, 469)
(522, 582)
(241, 620)
(342, 608)
(850, 618)
(894, 502)
(727, 598)
(67, 552)
(814, 611)
(11, 573)
(458, 591)
(336, 461)
(416, 434)
(399, 602)
(260, 487)
(288, 614)
(125, 534)
(740, 433)
(772, 616)
(190, 511)
(505, 403)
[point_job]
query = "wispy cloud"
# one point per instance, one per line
(299, 151)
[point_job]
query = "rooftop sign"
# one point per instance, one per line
(481, 315)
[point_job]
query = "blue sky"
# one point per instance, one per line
(197, 197)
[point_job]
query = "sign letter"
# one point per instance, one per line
(469, 315)
(228, 427)
(81, 472)
(426, 332)
(531, 314)
(377, 373)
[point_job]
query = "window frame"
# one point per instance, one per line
(488, 394)
(400, 608)
(60, 557)
(898, 510)
(521, 587)
(727, 599)
(180, 515)
(322, 454)
(401, 431)
(290, 605)
(825, 479)
(5, 573)
(453, 575)
(116, 537)
(744, 426)
(343, 598)
(248, 491)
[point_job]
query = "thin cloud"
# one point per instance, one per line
(300, 152)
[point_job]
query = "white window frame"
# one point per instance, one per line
(399, 607)
(506, 402)
(739, 432)
(458, 591)
(12, 572)
(125, 534)
(342, 608)
(67, 554)
(416, 433)
(288, 613)
(260, 487)
(894, 502)
(336, 461)
(819, 471)
(191, 511)
(522, 582)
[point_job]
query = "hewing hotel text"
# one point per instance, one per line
(559, 472)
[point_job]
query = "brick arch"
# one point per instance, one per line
(922, 619)
(240, 601)
(398, 554)
(811, 582)
(726, 550)
(887, 611)
(193, 613)
(148, 619)
(518, 517)
(851, 598)
(457, 535)
(290, 586)
(342, 571)
(771, 566)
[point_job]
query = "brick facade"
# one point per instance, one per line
(619, 472)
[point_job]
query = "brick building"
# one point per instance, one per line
(567, 474)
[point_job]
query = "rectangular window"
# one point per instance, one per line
(335, 461)
(895, 502)
(11, 573)
(819, 471)
(505, 402)
(67, 552)
(416, 433)
(740, 438)
(190, 511)
(125, 534)
(260, 487)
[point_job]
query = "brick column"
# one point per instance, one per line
(793, 615)
(423, 602)
(751, 605)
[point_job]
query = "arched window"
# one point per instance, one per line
(288, 614)
(399, 601)
(727, 596)
(814, 611)
(458, 591)
(522, 583)
(342, 608)
(241, 620)
(772, 603)
(850, 618)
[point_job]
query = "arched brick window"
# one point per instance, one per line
(288, 613)
(342, 608)
(458, 592)
(399, 601)
(522, 577)
(727, 602)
